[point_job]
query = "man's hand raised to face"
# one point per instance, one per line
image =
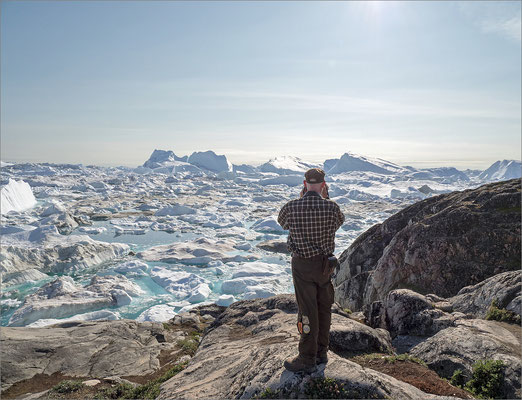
(324, 192)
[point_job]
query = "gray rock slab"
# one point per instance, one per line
(438, 245)
(472, 340)
(243, 352)
(475, 300)
(83, 349)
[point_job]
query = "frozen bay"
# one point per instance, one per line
(183, 233)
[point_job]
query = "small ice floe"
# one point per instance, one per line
(289, 180)
(91, 230)
(158, 313)
(175, 210)
(181, 284)
(225, 300)
(132, 268)
(199, 251)
(268, 224)
(129, 230)
(91, 316)
(56, 207)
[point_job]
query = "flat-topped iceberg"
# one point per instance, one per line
(210, 161)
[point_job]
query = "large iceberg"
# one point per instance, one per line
(502, 170)
(285, 165)
(210, 161)
(162, 158)
(16, 196)
(352, 162)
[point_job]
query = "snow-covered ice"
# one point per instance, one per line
(16, 196)
(181, 230)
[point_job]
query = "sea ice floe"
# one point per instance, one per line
(180, 283)
(63, 298)
(91, 316)
(132, 268)
(158, 313)
(199, 251)
(55, 253)
(129, 230)
(258, 268)
(268, 224)
(225, 300)
(175, 210)
(91, 230)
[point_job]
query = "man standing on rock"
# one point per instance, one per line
(312, 221)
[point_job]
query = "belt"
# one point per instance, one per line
(318, 257)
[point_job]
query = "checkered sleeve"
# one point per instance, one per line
(282, 219)
(340, 217)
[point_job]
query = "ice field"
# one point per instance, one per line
(89, 242)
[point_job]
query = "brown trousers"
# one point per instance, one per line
(315, 295)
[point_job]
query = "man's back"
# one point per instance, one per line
(312, 222)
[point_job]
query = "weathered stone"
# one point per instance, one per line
(238, 361)
(404, 312)
(437, 245)
(84, 349)
(275, 246)
(504, 288)
(472, 340)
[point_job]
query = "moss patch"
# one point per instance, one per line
(501, 314)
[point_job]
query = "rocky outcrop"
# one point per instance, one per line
(450, 341)
(438, 245)
(404, 312)
(504, 289)
(98, 349)
(243, 352)
(472, 340)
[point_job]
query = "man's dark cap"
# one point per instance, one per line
(314, 175)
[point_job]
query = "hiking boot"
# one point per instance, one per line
(297, 364)
(321, 359)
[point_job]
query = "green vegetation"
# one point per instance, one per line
(487, 379)
(458, 379)
(325, 388)
(268, 393)
(167, 326)
(67, 387)
(394, 358)
(347, 310)
(316, 388)
(501, 314)
(191, 343)
(149, 390)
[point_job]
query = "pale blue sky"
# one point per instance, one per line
(417, 83)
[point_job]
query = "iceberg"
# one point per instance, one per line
(16, 196)
(210, 161)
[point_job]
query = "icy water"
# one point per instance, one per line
(233, 215)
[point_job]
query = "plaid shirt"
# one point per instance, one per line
(311, 222)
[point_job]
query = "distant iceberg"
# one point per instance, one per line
(16, 196)
(502, 170)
